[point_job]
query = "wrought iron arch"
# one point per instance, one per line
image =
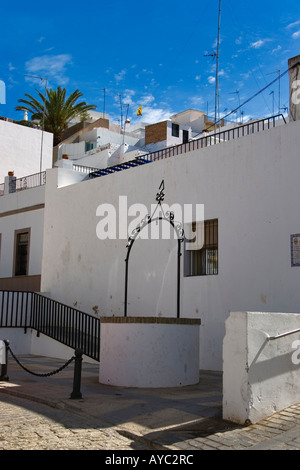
(169, 217)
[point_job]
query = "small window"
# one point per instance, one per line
(175, 130)
(89, 146)
(203, 261)
(21, 252)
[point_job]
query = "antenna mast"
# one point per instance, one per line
(217, 68)
(104, 90)
(121, 108)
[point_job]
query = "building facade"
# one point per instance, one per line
(24, 150)
(248, 187)
(236, 196)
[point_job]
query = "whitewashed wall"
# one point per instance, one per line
(250, 185)
(260, 376)
(149, 353)
(20, 150)
(171, 140)
(33, 219)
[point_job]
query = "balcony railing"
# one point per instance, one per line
(216, 138)
(31, 181)
(84, 169)
(26, 182)
(194, 144)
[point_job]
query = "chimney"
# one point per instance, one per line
(294, 72)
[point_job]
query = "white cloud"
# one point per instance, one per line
(292, 25)
(127, 97)
(147, 99)
(277, 49)
(53, 67)
(120, 76)
(211, 79)
(296, 35)
(153, 115)
(257, 44)
(197, 101)
(245, 75)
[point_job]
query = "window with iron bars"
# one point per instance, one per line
(202, 261)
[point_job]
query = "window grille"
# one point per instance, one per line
(204, 260)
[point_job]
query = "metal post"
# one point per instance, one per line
(4, 376)
(76, 394)
(178, 278)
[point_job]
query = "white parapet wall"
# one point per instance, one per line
(149, 352)
(261, 365)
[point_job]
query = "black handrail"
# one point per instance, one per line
(195, 144)
(216, 138)
(72, 327)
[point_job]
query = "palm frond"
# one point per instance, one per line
(54, 110)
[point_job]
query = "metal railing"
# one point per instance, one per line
(31, 181)
(216, 138)
(84, 169)
(26, 182)
(194, 144)
(282, 335)
(65, 324)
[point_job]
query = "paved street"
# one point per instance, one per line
(36, 413)
(28, 425)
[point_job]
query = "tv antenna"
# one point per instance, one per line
(104, 90)
(217, 55)
(237, 92)
(217, 67)
(279, 90)
(272, 93)
(43, 79)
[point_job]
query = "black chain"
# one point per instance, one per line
(41, 375)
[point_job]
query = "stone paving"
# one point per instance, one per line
(278, 432)
(37, 414)
(28, 425)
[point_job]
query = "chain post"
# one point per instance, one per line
(4, 376)
(76, 394)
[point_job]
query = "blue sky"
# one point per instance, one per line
(154, 54)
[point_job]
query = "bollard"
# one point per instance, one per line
(4, 375)
(76, 394)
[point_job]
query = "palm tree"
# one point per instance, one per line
(54, 111)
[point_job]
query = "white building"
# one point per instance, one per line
(99, 143)
(249, 190)
(24, 150)
(92, 144)
(21, 236)
(248, 260)
(25, 154)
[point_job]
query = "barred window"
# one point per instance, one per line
(204, 260)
